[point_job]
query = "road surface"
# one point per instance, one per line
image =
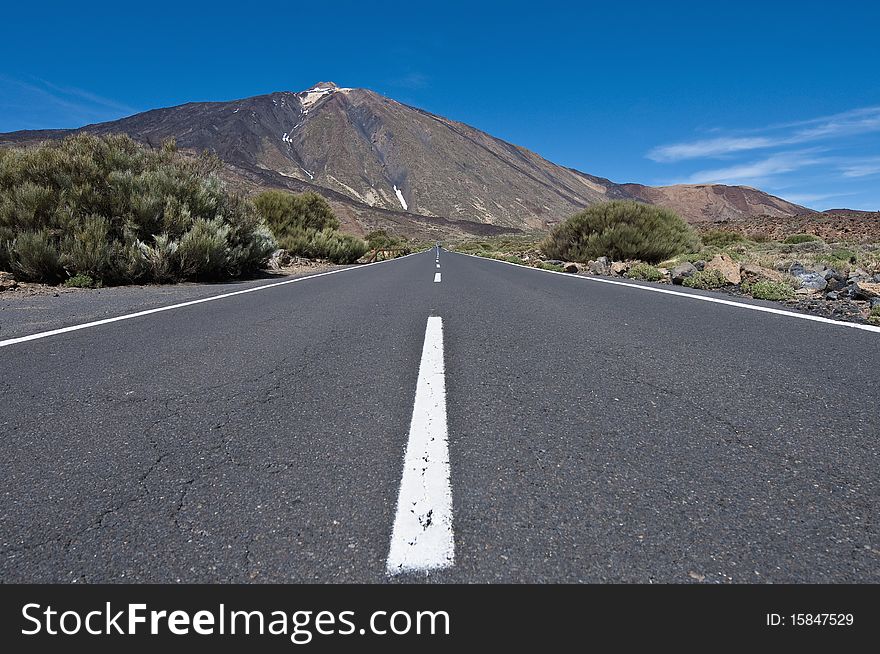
(571, 431)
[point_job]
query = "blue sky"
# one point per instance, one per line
(784, 96)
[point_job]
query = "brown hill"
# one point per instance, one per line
(715, 202)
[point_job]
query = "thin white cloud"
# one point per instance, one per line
(808, 198)
(89, 97)
(861, 167)
(856, 121)
(77, 105)
(757, 172)
(707, 148)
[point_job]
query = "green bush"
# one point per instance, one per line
(325, 244)
(203, 252)
(132, 265)
(381, 239)
(113, 210)
(287, 212)
(338, 247)
(705, 279)
(621, 230)
(874, 316)
(765, 289)
(161, 259)
(90, 251)
(81, 281)
(305, 226)
(721, 238)
(35, 257)
(644, 272)
(842, 254)
(796, 239)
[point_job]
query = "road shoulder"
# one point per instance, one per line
(27, 313)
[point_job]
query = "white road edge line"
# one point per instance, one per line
(436, 277)
(731, 303)
(422, 537)
(147, 312)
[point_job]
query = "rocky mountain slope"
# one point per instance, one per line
(385, 164)
(832, 225)
(715, 202)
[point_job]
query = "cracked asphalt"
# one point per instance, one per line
(597, 433)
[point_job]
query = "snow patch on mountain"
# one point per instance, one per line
(310, 97)
(400, 197)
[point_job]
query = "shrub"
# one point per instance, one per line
(113, 210)
(90, 252)
(705, 279)
(203, 252)
(381, 239)
(161, 259)
(543, 265)
(721, 238)
(325, 244)
(132, 265)
(621, 229)
(305, 226)
(250, 249)
(874, 316)
(644, 272)
(339, 247)
(81, 281)
(287, 212)
(35, 257)
(842, 254)
(796, 239)
(765, 289)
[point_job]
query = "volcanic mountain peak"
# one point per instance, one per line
(383, 164)
(310, 97)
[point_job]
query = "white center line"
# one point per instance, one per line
(436, 277)
(438, 265)
(422, 537)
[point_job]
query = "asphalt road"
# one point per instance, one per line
(596, 433)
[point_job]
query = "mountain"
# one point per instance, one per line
(384, 164)
(715, 202)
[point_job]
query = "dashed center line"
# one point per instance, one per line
(422, 537)
(437, 277)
